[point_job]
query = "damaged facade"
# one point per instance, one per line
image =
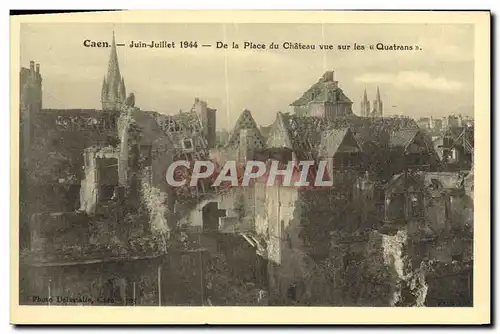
(102, 215)
(392, 228)
(395, 225)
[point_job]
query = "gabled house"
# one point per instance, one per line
(458, 148)
(246, 139)
(343, 154)
(437, 201)
(246, 122)
(446, 200)
(323, 99)
(412, 149)
(295, 137)
(245, 142)
(389, 144)
(400, 199)
(342, 147)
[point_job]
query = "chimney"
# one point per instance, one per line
(38, 69)
(328, 76)
(32, 66)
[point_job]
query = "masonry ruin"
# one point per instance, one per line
(395, 227)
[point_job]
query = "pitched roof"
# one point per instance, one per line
(376, 124)
(187, 122)
(372, 132)
(466, 138)
(178, 127)
(304, 132)
(324, 90)
(332, 139)
(402, 138)
(246, 121)
(147, 121)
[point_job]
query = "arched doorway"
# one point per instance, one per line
(210, 216)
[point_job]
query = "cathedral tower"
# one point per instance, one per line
(113, 92)
(365, 106)
(378, 107)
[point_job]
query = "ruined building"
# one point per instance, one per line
(391, 230)
(324, 99)
(389, 204)
(208, 119)
(30, 102)
(101, 218)
(457, 147)
(31, 88)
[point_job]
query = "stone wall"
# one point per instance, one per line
(228, 288)
(374, 271)
(183, 282)
(339, 109)
(451, 289)
(96, 284)
(52, 229)
(363, 266)
(237, 203)
(280, 206)
(128, 282)
(261, 222)
(223, 154)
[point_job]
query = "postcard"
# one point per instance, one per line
(250, 167)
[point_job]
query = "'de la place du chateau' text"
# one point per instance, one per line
(249, 45)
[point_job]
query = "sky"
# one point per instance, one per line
(436, 80)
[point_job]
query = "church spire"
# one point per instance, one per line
(378, 106)
(113, 91)
(114, 76)
(365, 105)
(122, 91)
(104, 87)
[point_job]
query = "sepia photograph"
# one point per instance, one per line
(269, 164)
